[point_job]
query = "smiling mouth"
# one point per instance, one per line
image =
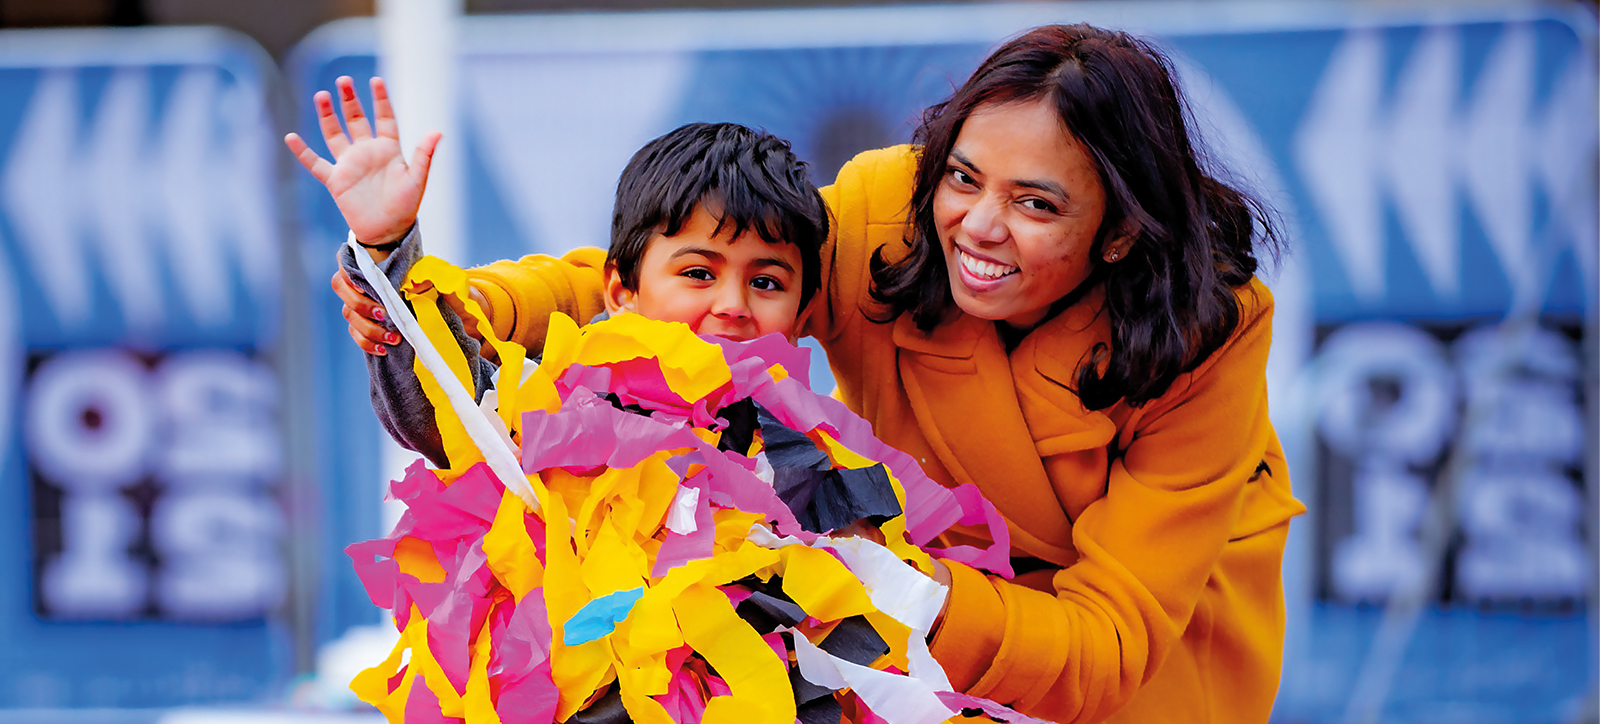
(984, 270)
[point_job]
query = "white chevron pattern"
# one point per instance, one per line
(1432, 149)
(182, 199)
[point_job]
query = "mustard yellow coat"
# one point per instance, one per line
(1164, 525)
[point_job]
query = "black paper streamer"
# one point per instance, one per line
(823, 499)
(813, 704)
(765, 612)
(616, 401)
(742, 422)
(855, 641)
(608, 709)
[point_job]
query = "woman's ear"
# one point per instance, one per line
(1117, 247)
(619, 298)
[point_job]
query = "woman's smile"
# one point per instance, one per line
(981, 273)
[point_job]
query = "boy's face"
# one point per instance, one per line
(734, 287)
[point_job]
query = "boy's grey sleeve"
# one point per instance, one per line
(397, 395)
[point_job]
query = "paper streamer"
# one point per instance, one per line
(497, 451)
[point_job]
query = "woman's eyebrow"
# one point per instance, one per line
(1044, 185)
(963, 160)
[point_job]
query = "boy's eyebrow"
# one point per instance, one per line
(767, 261)
(1042, 185)
(700, 250)
(715, 255)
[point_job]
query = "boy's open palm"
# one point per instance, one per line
(374, 188)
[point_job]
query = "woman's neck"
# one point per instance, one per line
(1011, 336)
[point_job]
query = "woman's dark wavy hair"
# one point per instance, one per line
(752, 177)
(1170, 300)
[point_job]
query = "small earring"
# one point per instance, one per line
(1112, 256)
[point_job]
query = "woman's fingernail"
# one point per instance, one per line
(391, 338)
(377, 313)
(379, 351)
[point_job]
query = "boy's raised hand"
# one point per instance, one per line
(374, 188)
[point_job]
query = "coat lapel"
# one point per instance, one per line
(957, 380)
(1073, 442)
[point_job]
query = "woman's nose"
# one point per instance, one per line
(984, 222)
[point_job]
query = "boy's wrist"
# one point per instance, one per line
(390, 240)
(381, 247)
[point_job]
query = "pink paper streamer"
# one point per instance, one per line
(977, 510)
(1003, 713)
(422, 706)
(530, 700)
(678, 549)
(587, 433)
(766, 351)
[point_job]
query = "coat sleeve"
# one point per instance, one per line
(397, 397)
(1149, 548)
(522, 293)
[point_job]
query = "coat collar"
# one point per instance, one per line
(983, 410)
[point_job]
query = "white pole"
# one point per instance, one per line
(417, 42)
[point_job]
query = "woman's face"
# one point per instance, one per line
(1017, 212)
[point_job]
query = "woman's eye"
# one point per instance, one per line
(961, 177)
(698, 274)
(767, 284)
(1039, 205)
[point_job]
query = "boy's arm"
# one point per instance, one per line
(397, 395)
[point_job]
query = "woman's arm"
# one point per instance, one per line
(1175, 532)
(520, 295)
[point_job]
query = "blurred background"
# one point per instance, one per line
(186, 444)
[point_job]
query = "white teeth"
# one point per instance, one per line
(988, 271)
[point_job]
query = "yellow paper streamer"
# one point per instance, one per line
(512, 555)
(758, 679)
(822, 585)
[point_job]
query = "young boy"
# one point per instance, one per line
(715, 225)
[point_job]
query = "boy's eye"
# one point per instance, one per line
(767, 284)
(698, 273)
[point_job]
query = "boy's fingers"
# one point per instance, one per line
(332, 132)
(317, 165)
(382, 112)
(355, 118)
(422, 158)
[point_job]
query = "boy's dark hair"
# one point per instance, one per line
(752, 176)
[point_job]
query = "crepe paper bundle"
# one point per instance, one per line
(673, 564)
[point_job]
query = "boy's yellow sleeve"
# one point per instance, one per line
(521, 293)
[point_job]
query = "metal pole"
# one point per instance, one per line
(417, 41)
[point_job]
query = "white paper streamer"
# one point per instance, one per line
(898, 699)
(496, 448)
(896, 588)
(680, 516)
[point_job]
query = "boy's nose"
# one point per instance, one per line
(731, 302)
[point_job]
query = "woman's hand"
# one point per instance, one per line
(365, 316)
(374, 188)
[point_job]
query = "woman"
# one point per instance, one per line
(1049, 297)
